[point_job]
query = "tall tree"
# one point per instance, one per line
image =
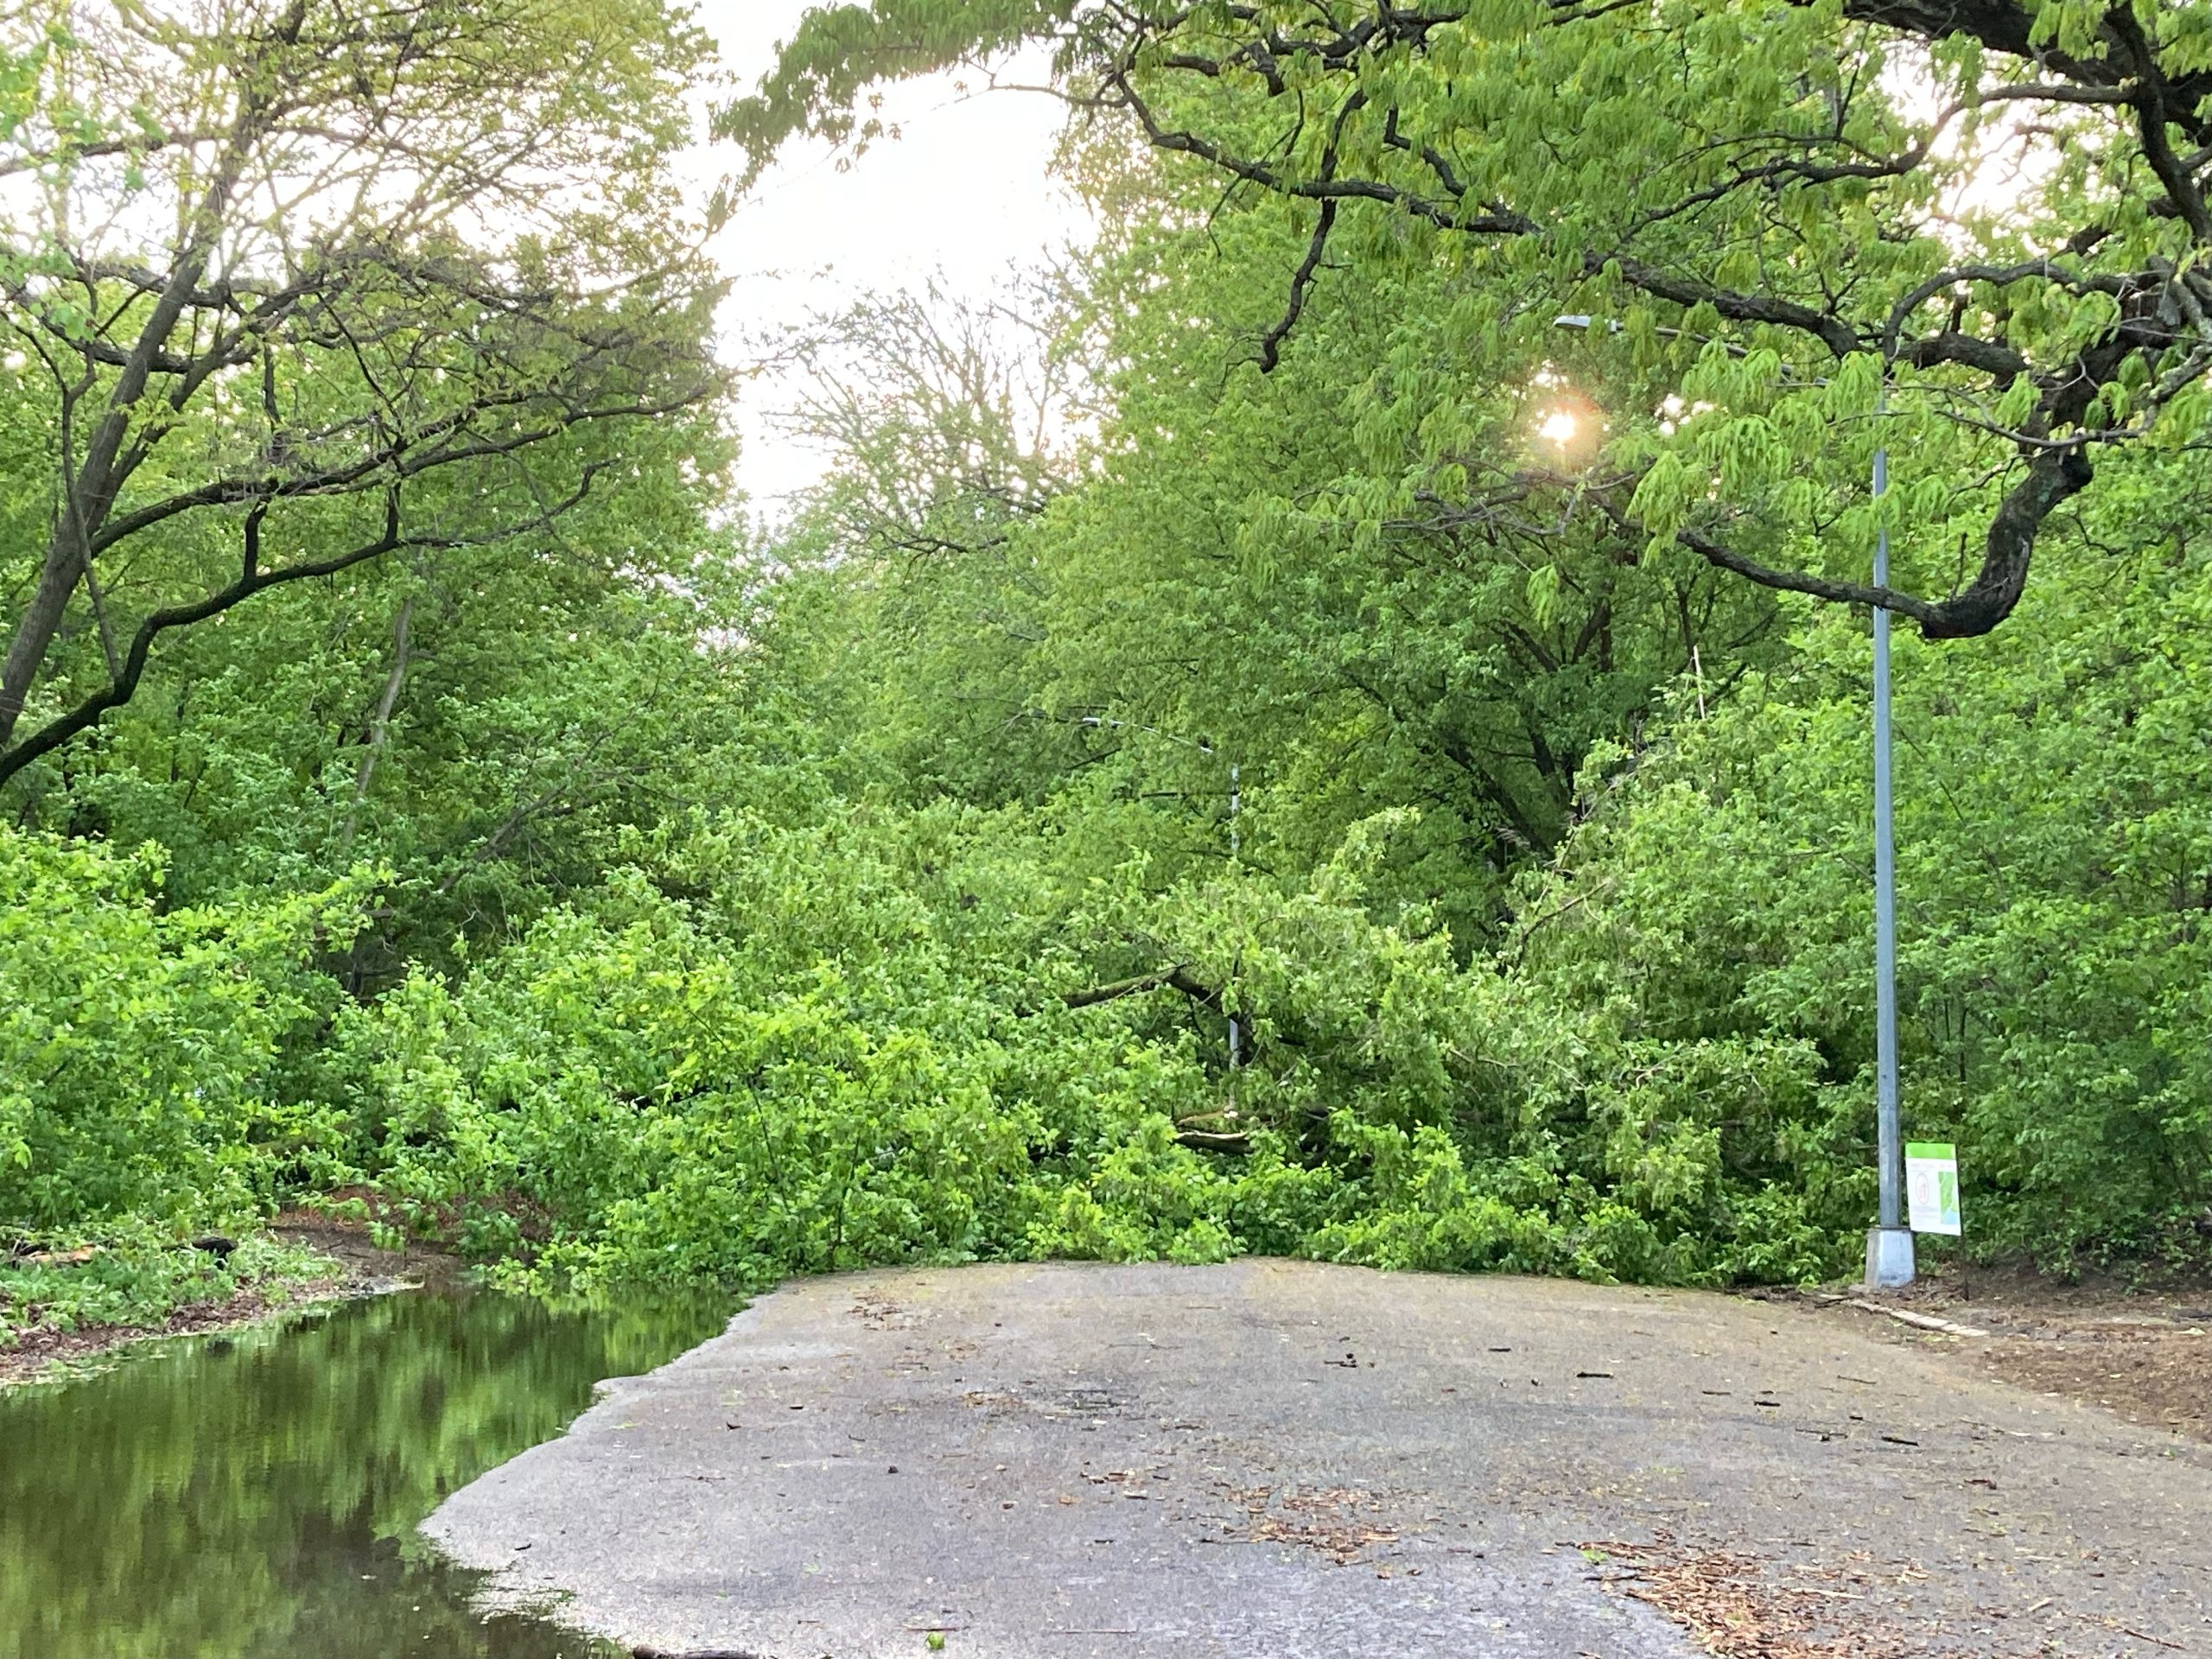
(915, 575)
(1995, 211)
(944, 421)
(297, 284)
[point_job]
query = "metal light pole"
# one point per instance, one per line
(1235, 1029)
(1889, 1245)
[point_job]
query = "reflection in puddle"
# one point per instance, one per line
(258, 1494)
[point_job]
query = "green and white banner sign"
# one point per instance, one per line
(1931, 1186)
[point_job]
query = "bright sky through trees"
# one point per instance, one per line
(964, 192)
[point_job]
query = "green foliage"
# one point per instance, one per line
(849, 1047)
(839, 50)
(235, 367)
(136, 1274)
(2055, 852)
(1760, 217)
(136, 1044)
(808, 1064)
(628, 900)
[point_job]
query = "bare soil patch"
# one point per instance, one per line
(347, 1242)
(2145, 1355)
(2160, 1377)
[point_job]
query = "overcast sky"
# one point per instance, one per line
(965, 191)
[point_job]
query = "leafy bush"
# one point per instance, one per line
(834, 1055)
(2054, 876)
(137, 1044)
(137, 1275)
(821, 1033)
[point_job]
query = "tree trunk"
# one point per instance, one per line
(89, 493)
(41, 620)
(380, 724)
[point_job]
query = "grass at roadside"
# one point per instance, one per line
(68, 1299)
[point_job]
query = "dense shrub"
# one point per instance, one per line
(835, 1033)
(837, 1054)
(138, 1043)
(2055, 875)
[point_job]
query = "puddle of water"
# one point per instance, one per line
(258, 1494)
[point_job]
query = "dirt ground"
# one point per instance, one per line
(348, 1244)
(2145, 1355)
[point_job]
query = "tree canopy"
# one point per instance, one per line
(1988, 221)
(293, 287)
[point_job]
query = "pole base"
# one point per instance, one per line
(1889, 1257)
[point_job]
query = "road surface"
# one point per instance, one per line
(1285, 1458)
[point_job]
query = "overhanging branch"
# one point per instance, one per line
(2053, 476)
(251, 579)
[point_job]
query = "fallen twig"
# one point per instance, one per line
(1920, 1321)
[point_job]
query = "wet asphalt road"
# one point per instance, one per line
(1284, 1458)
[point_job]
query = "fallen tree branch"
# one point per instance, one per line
(1919, 1321)
(1215, 1140)
(1176, 978)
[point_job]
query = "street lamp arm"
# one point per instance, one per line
(1103, 722)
